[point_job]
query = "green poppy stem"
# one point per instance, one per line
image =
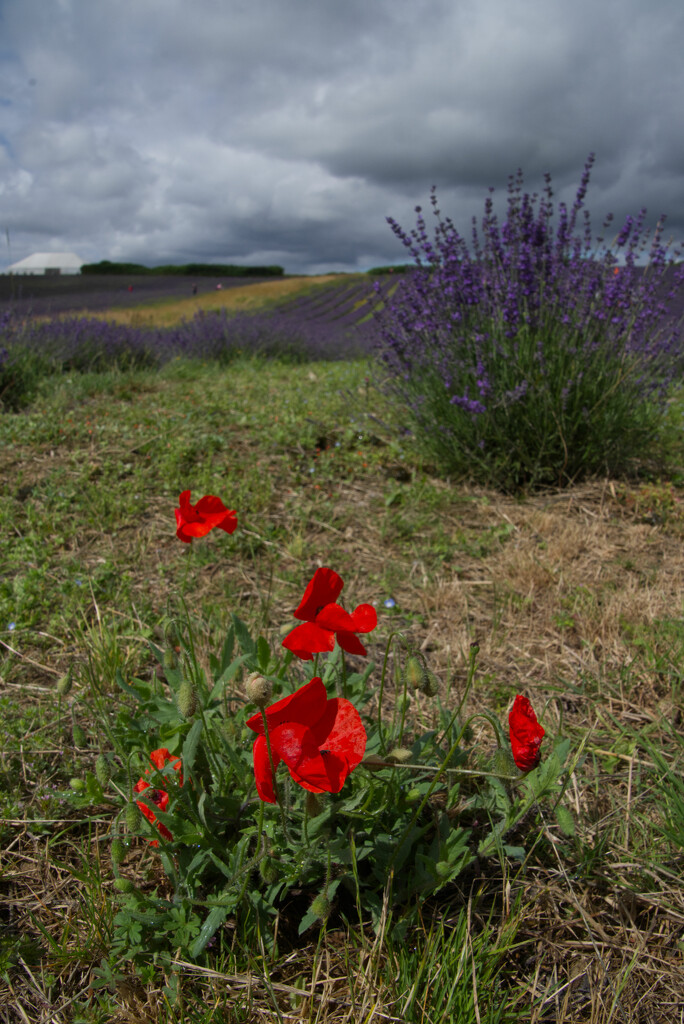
(273, 775)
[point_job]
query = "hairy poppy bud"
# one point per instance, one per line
(321, 907)
(118, 851)
(124, 885)
(132, 818)
(258, 690)
(80, 738)
(78, 785)
(187, 699)
(430, 686)
(414, 672)
(64, 685)
(169, 659)
(399, 754)
(103, 771)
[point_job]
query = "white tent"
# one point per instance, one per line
(51, 263)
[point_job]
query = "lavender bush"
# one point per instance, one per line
(536, 355)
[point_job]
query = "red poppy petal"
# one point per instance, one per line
(262, 769)
(147, 811)
(160, 757)
(228, 523)
(323, 588)
(350, 643)
(365, 618)
(306, 705)
(526, 734)
(195, 528)
(334, 617)
(323, 773)
(186, 509)
(347, 737)
(309, 639)
(210, 505)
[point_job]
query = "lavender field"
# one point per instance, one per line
(332, 321)
(47, 296)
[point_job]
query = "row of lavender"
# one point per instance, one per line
(330, 323)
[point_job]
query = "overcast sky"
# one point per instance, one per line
(286, 131)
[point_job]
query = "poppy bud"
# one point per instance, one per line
(103, 771)
(132, 818)
(79, 736)
(414, 672)
(321, 907)
(399, 754)
(187, 699)
(118, 851)
(64, 685)
(258, 690)
(78, 785)
(124, 885)
(430, 687)
(169, 659)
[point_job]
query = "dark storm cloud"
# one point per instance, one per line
(287, 130)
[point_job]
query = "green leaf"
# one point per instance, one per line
(306, 922)
(242, 634)
(565, 820)
(263, 654)
(212, 923)
(191, 744)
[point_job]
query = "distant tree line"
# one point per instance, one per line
(396, 268)
(187, 269)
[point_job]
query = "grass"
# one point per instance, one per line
(573, 597)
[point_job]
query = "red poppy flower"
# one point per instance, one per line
(198, 520)
(526, 734)
(324, 620)
(158, 796)
(320, 739)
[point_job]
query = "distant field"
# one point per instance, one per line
(94, 293)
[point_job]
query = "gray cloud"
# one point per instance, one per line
(277, 131)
